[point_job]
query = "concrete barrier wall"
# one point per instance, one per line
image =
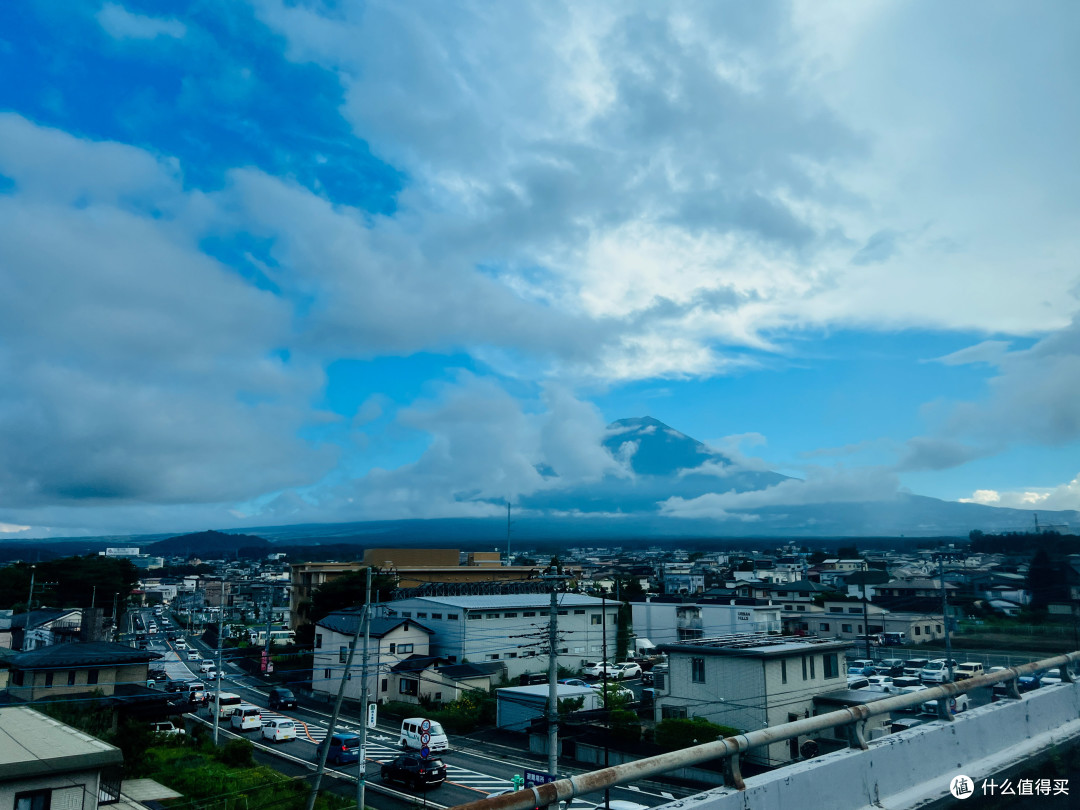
(914, 767)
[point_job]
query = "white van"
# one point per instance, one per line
(225, 703)
(413, 730)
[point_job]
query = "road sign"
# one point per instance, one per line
(372, 714)
(425, 738)
(425, 752)
(425, 725)
(534, 778)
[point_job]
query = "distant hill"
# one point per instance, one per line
(210, 545)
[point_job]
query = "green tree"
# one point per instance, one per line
(347, 591)
(679, 732)
(625, 630)
(1045, 580)
(625, 725)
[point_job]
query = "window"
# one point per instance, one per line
(597, 618)
(673, 712)
(421, 615)
(563, 613)
(385, 684)
(860, 628)
(48, 678)
(614, 618)
(800, 607)
(393, 648)
(927, 629)
(491, 615)
(804, 667)
(436, 616)
(831, 665)
(452, 617)
(406, 614)
(564, 651)
(493, 657)
(579, 612)
(71, 678)
(509, 615)
(697, 670)
(812, 676)
(788, 607)
(33, 800)
(404, 648)
(343, 654)
(854, 610)
(937, 628)
(318, 641)
(511, 655)
(783, 670)
(409, 686)
(91, 676)
(824, 627)
(917, 631)
(845, 628)
(528, 614)
(326, 673)
(438, 696)
(471, 616)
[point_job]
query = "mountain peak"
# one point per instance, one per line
(658, 449)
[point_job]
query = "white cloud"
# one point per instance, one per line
(984, 496)
(120, 23)
(1062, 497)
(822, 485)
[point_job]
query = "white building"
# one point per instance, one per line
(751, 682)
(513, 628)
(668, 622)
(391, 641)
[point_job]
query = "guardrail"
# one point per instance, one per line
(733, 747)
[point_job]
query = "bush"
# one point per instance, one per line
(237, 754)
(625, 725)
(675, 733)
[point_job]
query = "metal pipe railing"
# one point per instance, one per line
(734, 746)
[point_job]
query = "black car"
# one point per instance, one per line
(158, 675)
(282, 699)
(415, 771)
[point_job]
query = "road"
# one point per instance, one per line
(473, 771)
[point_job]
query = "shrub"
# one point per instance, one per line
(677, 732)
(238, 753)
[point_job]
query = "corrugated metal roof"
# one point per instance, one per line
(503, 601)
(347, 623)
(35, 745)
(81, 654)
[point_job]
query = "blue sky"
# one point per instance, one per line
(273, 262)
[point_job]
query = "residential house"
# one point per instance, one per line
(390, 641)
(47, 765)
(431, 679)
(513, 628)
(77, 669)
(43, 627)
(751, 682)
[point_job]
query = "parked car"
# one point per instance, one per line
(864, 665)
(343, 749)
(158, 675)
(246, 717)
(281, 698)
(881, 683)
(936, 671)
(596, 670)
(279, 729)
(906, 690)
(857, 682)
(957, 703)
(913, 666)
(890, 666)
(628, 669)
(1050, 677)
(166, 727)
(573, 682)
(658, 672)
(415, 771)
(967, 669)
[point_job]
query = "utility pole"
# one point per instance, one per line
(220, 631)
(553, 672)
(604, 663)
(866, 619)
(361, 783)
(30, 600)
(508, 560)
(269, 610)
(945, 616)
(93, 597)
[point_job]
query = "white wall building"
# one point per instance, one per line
(513, 628)
(669, 622)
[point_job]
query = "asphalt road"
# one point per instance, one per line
(473, 771)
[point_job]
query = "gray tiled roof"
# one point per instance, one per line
(79, 654)
(347, 622)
